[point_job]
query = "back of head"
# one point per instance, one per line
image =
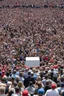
(39, 84)
(20, 84)
(41, 91)
(62, 84)
(53, 86)
(30, 83)
(17, 89)
(25, 93)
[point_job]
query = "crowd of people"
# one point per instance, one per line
(31, 32)
(32, 6)
(19, 80)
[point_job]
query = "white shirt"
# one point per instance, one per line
(16, 95)
(22, 79)
(30, 89)
(52, 92)
(44, 81)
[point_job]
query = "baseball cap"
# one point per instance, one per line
(53, 86)
(41, 91)
(25, 93)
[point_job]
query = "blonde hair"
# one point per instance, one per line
(39, 78)
(20, 84)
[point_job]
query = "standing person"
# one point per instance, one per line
(52, 91)
(61, 89)
(25, 93)
(31, 88)
(47, 86)
(17, 92)
(41, 92)
(27, 80)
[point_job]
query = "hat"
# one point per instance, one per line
(53, 86)
(25, 93)
(55, 66)
(41, 91)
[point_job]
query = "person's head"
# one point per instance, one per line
(29, 73)
(39, 78)
(58, 84)
(30, 83)
(51, 69)
(17, 69)
(47, 83)
(46, 76)
(53, 86)
(17, 79)
(39, 84)
(20, 84)
(21, 74)
(25, 93)
(50, 82)
(4, 79)
(41, 92)
(17, 89)
(14, 72)
(12, 79)
(9, 83)
(62, 79)
(15, 83)
(11, 92)
(62, 85)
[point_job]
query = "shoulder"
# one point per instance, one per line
(35, 95)
(56, 90)
(49, 90)
(14, 95)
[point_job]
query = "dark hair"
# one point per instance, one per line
(17, 89)
(47, 82)
(10, 93)
(30, 83)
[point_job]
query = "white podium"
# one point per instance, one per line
(32, 61)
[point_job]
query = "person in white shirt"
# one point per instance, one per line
(17, 92)
(52, 91)
(31, 88)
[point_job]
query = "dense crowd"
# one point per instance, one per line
(31, 32)
(19, 80)
(32, 6)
